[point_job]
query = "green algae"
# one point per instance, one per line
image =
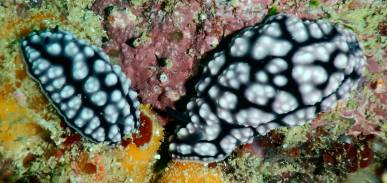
(245, 169)
(54, 128)
(294, 136)
(137, 2)
(167, 63)
(273, 10)
(143, 39)
(168, 6)
(362, 176)
(251, 169)
(200, 17)
(364, 21)
(314, 3)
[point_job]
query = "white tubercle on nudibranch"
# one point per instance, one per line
(92, 95)
(279, 73)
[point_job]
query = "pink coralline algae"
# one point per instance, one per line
(160, 52)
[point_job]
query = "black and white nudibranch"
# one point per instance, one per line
(92, 95)
(278, 73)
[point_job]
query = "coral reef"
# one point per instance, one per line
(190, 173)
(160, 46)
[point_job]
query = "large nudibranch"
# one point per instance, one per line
(278, 73)
(92, 95)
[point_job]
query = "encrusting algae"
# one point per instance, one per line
(190, 172)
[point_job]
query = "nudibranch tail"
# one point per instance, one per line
(282, 72)
(92, 95)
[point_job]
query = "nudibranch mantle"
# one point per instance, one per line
(278, 73)
(92, 95)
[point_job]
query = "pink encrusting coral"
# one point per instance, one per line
(159, 51)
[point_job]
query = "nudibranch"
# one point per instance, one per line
(92, 95)
(278, 73)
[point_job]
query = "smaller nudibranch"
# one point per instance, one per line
(92, 95)
(282, 72)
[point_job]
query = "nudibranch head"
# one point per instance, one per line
(92, 95)
(278, 73)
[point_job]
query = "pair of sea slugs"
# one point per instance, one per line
(281, 72)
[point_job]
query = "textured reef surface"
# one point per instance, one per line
(163, 47)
